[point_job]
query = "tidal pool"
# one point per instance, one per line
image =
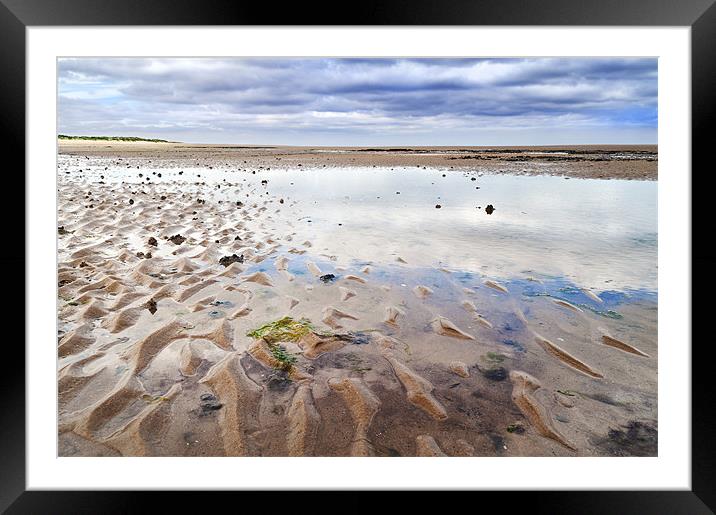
(598, 234)
(593, 233)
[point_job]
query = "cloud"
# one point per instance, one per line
(362, 101)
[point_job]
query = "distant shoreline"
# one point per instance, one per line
(635, 162)
(130, 139)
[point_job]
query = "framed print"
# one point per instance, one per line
(275, 252)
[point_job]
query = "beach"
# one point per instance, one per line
(225, 300)
(585, 161)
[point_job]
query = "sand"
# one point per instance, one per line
(155, 357)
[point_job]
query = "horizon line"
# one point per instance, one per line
(135, 139)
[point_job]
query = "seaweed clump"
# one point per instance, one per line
(285, 329)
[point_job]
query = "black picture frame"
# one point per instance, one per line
(17, 15)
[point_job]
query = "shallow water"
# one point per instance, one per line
(599, 234)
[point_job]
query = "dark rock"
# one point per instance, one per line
(131, 201)
(489, 209)
(327, 278)
(152, 241)
(61, 230)
(209, 406)
(225, 303)
(438, 206)
(177, 239)
(227, 260)
(207, 397)
(495, 374)
(151, 305)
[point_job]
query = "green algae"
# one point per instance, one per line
(285, 329)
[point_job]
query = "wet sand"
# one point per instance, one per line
(585, 161)
(155, 357)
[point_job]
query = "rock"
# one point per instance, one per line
(489, 209)
(152, 241)
(228, 260)
(151, 305)
(495, 374)
(438, 206)
(177, 239)
(209, 405)
(327, 278)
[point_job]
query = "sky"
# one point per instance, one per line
(358, 102)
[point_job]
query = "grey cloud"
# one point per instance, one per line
(306, 99)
